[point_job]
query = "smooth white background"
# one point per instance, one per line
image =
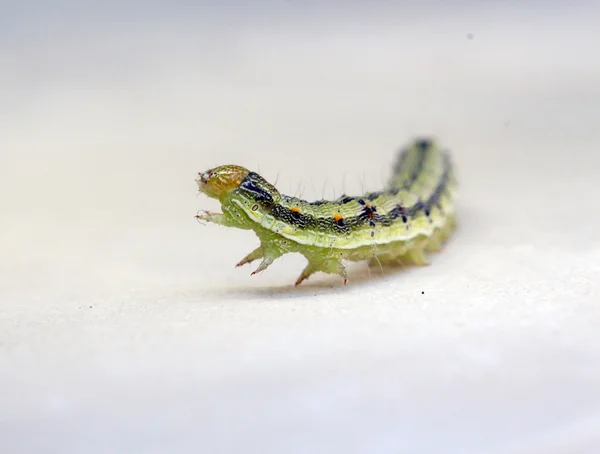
(124, 326)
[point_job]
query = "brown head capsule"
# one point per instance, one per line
(221, 180)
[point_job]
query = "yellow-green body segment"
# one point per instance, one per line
(413, 215)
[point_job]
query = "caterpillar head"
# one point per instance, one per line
(221, 181)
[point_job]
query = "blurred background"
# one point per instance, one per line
(124, 326)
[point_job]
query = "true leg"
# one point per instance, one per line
(215, 218)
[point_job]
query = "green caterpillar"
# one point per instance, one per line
(413, 215)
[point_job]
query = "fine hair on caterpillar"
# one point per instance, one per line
(414, 214)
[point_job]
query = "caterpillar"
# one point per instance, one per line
(413, 215)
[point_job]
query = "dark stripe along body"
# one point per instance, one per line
(414, 214)
(417, 201)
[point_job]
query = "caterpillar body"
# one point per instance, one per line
(413, 215)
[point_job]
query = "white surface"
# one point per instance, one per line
(124, 326)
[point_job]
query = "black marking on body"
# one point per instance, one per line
(400, 162)
(423, 146)
(368, 214)
(373, 195)
(396, 212)
(308, 221)
(418, 206)
(252, 186)
(417, 169)
(344, 199)
(435, 197)
(296, 218)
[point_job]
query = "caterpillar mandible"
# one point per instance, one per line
(413, 215)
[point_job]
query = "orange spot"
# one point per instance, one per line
(337, 217)
(295, 210)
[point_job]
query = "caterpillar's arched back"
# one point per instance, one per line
(413, 215)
